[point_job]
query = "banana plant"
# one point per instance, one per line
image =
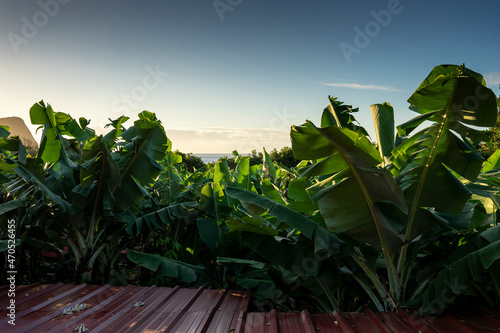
(112, 182)
(429, 163)
(295, 248)
(389, 198)
(349, 198)
(89, 182)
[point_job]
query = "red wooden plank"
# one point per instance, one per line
(211, 311)
(171, 312)
(325, 322)
(415, 320)
(343, 323)
(482, 318)
(466, 324)
(26, 293)
(202, 312)
(88, 316)
(121, 308)
(254, 322)
(57, 309)
(177, 315)
(376, 321)
(439, 324)
(143, 315)
(31, 307)
(263, 322)
(396, 323)
(307, 322)
(361, 323)
(227, 314)
(240, 324)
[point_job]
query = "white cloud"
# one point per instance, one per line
(222, 140)
(225, 140)
(360, 86)
(492, 78)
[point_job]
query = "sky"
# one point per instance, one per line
(234, 74)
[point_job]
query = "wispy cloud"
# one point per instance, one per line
(492, 78)
(360, 86)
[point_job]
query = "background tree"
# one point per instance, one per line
(284, 157)
(494, 144)
(190, 161)
(495, 137)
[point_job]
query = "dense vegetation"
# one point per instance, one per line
(411, 222)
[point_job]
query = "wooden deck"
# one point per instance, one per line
(39, 308)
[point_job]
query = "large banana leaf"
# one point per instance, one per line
(112, 136)
(4, 131)
(242, 174)
(159, 218)
(14, 144)
(31, 177)
(454, 97)
(310, 229)
(99, 164)
(465, 268)
(146, 144)
(52, 140)
(179, 270)
(383, 119)
(55, 148)
(222, 174)
(292, 258)
(298, 198)
(209, 232)
(100, 172)
(268, 165)
(350, 206)
(251, 224)
(341, 115)
(296, 261)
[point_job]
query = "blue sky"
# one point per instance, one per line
(234, 74)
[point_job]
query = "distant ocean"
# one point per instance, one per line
(208, 158)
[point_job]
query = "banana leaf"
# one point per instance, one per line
(455, 97)
(383, 119)
(146, 144)
(163, 266)
(465, 268)
(323, 240)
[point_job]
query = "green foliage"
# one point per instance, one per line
(402, 205)
(284, 157)
(254, 158)
(334, 222)
(493, 144)
(191, 162)
(86, 184)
